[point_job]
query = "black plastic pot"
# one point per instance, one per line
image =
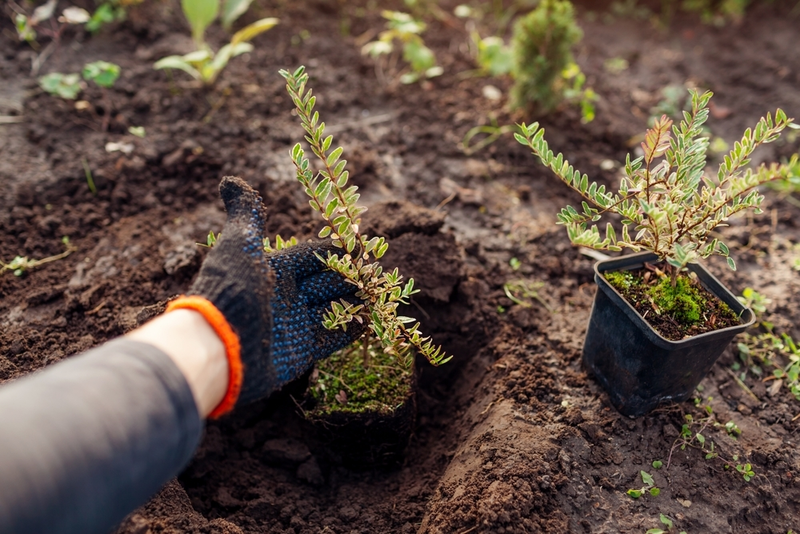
(638, 367)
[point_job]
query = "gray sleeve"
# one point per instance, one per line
(86, 441)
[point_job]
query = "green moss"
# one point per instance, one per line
(622, 280)
(381, 386)
(684, 302)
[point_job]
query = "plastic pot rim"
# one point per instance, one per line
(707, 280)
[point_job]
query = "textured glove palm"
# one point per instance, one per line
(274, 302)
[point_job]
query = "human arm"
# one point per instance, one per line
(85, 441)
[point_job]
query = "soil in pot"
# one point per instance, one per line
(676, 312)
(363, 405)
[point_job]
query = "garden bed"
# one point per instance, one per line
(511, 435)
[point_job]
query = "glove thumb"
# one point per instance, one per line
(243, 204)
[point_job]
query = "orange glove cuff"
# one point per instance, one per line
(229, 339)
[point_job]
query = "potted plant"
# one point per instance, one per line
(362, 397)
(670, 210)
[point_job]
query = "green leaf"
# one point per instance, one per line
(251, 30)
(657, 464)
(731, 263)
(232, 10)
(655, 492)
(647, 478)
(334, 156)
(177, 62)
(199, 14)
(102, 73)
(633, 493)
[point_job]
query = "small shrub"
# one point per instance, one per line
(667, 202)
(542, 52)
(337, 202)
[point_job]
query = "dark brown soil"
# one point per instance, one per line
(715, 314)
(511, 436)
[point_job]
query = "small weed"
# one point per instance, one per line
(668, 524)
(20, 264)
(692, 436)
(403, 28)
(204, 64)
(768, 349)
(108, 12)
(648, 488)
(42, 22)
(66, 86)
(657, 464)
(87, 171)
(522, 292)
(493, 133)
(494, 58)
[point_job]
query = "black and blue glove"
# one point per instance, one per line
(273, 302)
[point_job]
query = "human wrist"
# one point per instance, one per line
(197, 351)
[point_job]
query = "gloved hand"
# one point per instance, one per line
(273, 302)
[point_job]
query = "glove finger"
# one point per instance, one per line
(322, 288)
(302, 260)
(243, 204)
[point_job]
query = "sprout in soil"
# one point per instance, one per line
(337, 203)
(204, 64)
(407, 30)
(20, 264)
(68, 86)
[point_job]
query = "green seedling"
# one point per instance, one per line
(66, 86)
(404, 28)
(108, 12)
(524, 292)
(104, 75)
(337, 203)
(204, 64)
(492, 131)
(42, 22)
(668, 524)
(494, 58)
(768, 349)
(27, 25)
(20, 264)
(138, 131)
(668, 204)
(648, 488)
